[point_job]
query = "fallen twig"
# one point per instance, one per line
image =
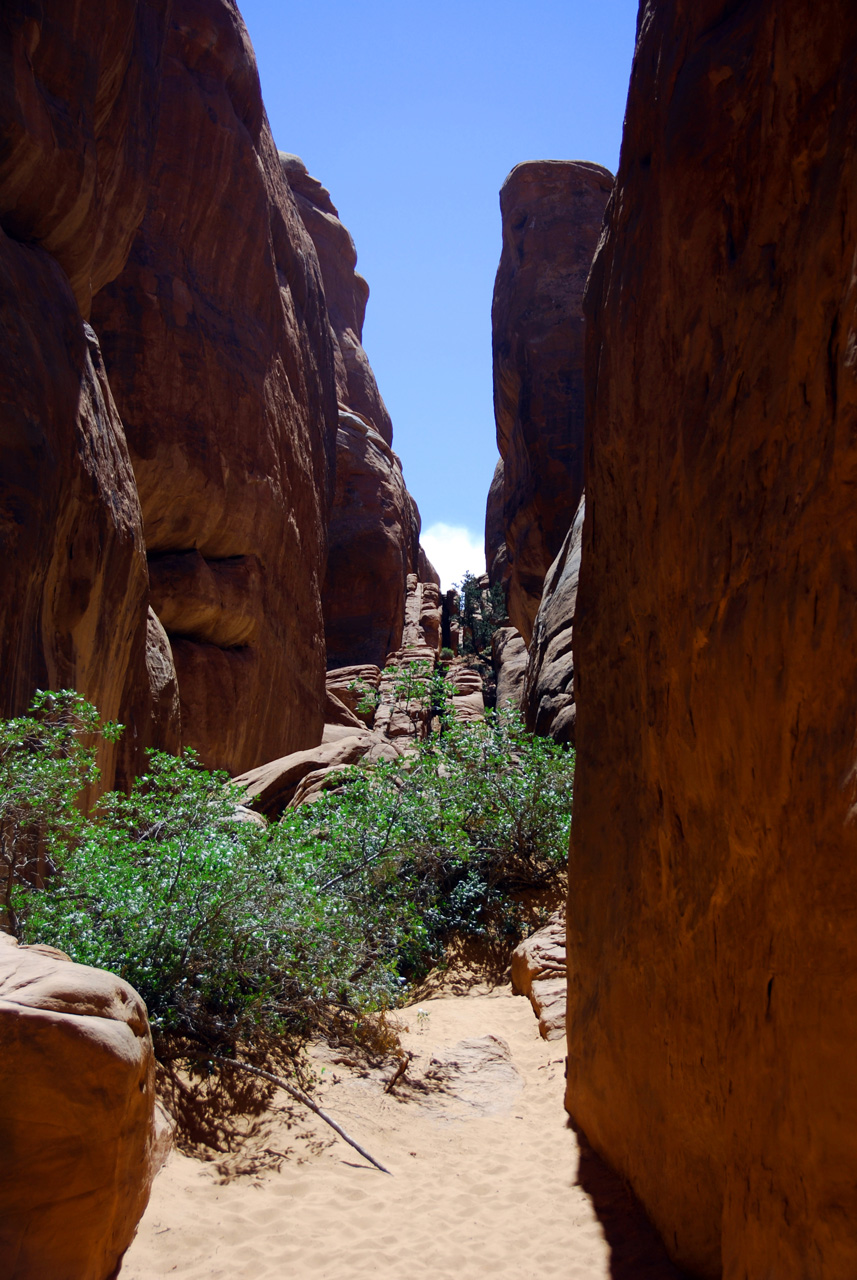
(307, 1101)
(404, 1063)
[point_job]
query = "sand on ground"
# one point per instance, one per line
(489, 1178)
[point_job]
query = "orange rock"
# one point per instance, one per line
(552, 212)
(713, 875)
(82, 1140)
(539, 971)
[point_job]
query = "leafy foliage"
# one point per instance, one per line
(234, 932)
(483, 610)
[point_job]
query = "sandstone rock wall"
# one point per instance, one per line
(548, 694)
(78, 103)
(218, 350)
(712, 950)
(374, 523)
(551, 212)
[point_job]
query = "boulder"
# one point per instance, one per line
(509, 657)
(713, 874)
(269, 788)
(551, 213)
(539, 971)
(219, 354)
(354, 686)
(82, 1138)
(548, 692)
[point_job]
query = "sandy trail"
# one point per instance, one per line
(485, 1171)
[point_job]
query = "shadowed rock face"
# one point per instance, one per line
(78, 101)
(219, 354)
(712, 950)
(496, 556)
(552, 212)
(548, 695)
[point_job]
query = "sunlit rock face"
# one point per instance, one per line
(82, 1135)
(78, 104)
(374, 523)
(712, 950)
(552, 212)
(219, 354)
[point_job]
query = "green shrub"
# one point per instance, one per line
(234, 933)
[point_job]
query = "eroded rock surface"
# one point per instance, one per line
(82, 1139)
(220, 358)
(548, 692)
(552, 212)
(713, 876)
(374, 524)
(539, 971)
(509, 657)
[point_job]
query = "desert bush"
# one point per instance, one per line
(233, 932)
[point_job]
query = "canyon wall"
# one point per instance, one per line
(79, 105)
(552, 212)
(712, 953)
(218, 350)
(374, 527)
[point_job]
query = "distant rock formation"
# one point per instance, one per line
(374, 524)
(509, 659)
(548, 693)
(552, 212)
(218, 351)
(496, 556)
(82, 1136)
(713, 875)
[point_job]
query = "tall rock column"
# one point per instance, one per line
(218, 349)
(712, 948)
(552, 212)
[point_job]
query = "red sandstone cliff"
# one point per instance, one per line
(712, 949)
(217, 346)
(551, 213)
(374, 526)
(79, 103)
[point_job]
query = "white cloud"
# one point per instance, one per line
(453, 550)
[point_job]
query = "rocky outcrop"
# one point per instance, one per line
(218, 350)
(540, 971)
(496, 556)
(274, 787)
(82, 1138)
(375, 524)
(712, 1019)
(548, 693)
(552, 212)
(509, 658)
(346, 293)
(78, 106)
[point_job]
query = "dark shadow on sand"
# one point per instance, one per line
(636, 1250)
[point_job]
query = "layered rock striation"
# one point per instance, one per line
(552, 212)
(712, 953)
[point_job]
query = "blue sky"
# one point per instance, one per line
(412, 115)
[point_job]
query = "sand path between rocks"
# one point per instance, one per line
(489, 1178)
